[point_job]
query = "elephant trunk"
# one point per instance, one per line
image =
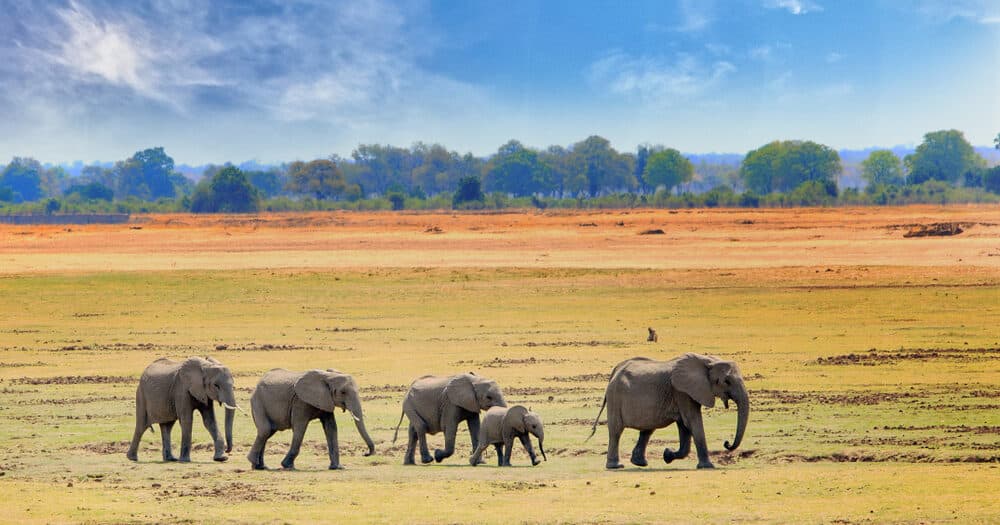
(742, 400)
(354, 407)
(541, 447)
(229, 402)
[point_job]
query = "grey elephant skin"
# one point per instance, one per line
(170, 391)
(646, 395)
(501, 425)
(439, 404)
(284, 399)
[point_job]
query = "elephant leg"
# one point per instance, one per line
(140, 429)
(499, 449)
(208, 418)
(477, 455)
(526, 441)
(475, 429)
(186, 419)
(697, 429)
(411, 445)
(685, 444)
(256, 454)
(450, 431)
(332, 446)
(508, 447)
(165, 429)
(615, 429)
(298, 433)
(639, 452)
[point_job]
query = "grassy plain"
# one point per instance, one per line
(873, 361)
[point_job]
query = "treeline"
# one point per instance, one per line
(590, 173)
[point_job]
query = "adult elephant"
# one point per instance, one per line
(284, 399)
(434, 404)
(646, 395)
(170, 391)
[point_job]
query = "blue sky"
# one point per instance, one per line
(285, 80)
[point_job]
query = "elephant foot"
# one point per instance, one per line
(409, 461)
(132, 456)
(614, 466)
(335, 467)
(439, 456)
(705, 465)
(638, 460)
(535, 462)
(288, 465)
(259, 467)
(668, 456)
(184, 460)
(221, 458)
(169, 459)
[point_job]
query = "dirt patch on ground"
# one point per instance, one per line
(519, 485)
(74, 380)
(885, 457)
(875, 357)
(845, 398)
(105, 447)
(725, 457)
(561, 344)
(499, 362)
(596, 377)
(22, 365)
(73, 400)
(937, 229)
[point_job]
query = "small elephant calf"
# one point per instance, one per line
(499, 428)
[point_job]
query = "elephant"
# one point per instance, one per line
(434, 404)
(499, 428)
(171, 391)
(284, 399)
(646, 395)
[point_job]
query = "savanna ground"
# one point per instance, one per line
(872, 360)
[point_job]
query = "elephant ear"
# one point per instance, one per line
(313, 389)
(690, 376)
(719, 370)
(513, 420)
(193, 375)
(461, 392)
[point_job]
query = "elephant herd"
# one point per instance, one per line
(642, 394)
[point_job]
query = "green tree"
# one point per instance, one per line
(991, 179)
(268, 182)
(469, 191)
(944, 155)
(603, 167)
(23, 176)
(517, 170)
(91, 191)
(228, 191)
(667, 168)
(148, 175)
(784, 165)
(321, 178)
(882, 167)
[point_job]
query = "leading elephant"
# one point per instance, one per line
(646, 395)
(284, 399)
(171, 391)
(434, 404)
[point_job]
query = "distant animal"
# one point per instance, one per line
(284, 399)
(646, 395)
(499, 428)
(170, 391)
(434, 404)
(652, 336)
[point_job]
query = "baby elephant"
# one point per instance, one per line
(285, 399)
(501, 425)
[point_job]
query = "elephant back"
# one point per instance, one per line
(492, 424)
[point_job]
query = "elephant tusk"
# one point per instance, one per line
(356, 418)
(230, 407)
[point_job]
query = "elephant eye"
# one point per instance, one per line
(490, 398)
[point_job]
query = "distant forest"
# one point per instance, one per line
(944, 168)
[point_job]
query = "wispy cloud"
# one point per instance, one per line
(833, 57)
(795, 7)
(696, 15)
(656, 79)
(982, 11)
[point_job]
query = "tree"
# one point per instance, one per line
(92, 191)
(603, 167)
(944, 155)
(882, 167)
(149, 175)
(320, 178)
(23, 176)
(469, 191)
(517, 170)
(228, 191)
(784, 165)
(991, 179)
(269, 183)
(667, 168)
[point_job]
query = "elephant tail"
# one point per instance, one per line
(593, 429)
(396, 433)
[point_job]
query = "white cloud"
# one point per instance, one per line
(795, 7)
(696, 15)
(833, 57)
(655, 79)
(985, 12)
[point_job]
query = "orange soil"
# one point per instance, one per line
(695, 239)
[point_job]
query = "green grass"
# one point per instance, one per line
(911, 439)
